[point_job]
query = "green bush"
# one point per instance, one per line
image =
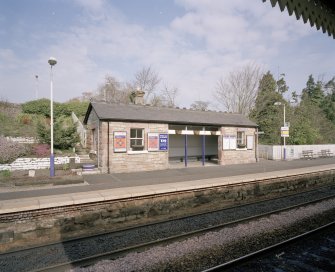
(5, 173)
(65, 134)
(78, 107)
(24, 118)
(42, 107)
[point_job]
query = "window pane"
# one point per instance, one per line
(240, 137)
(232, 142)
(139, 133)
(132, 133)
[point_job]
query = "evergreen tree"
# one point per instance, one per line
(311, 122)
(65, 134)
(313, 91)
(281, 85)
(268, 116)
(328, 104)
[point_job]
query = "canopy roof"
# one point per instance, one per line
(140, 113)
(320, 13)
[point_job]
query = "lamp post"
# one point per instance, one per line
(278, 104)
(52, 61)
(36, 91)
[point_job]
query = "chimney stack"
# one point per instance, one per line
(138, 97)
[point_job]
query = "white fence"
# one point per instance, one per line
(80, 129)
(276, 152)
(35, 163)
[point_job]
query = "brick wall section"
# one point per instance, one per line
(131, 161)
(238, 156)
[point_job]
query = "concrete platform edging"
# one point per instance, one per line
(57, 218)
(43, 202)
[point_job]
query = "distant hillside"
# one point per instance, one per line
(14, 123)
(22, 119)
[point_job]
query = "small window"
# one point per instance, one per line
(240, 139)
(229, 142)
(250, 142)
(136, 139)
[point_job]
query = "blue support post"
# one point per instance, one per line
(203, 149)
(52, 165)
(185, 150)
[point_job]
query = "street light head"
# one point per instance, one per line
(52, 61)
(277, 103)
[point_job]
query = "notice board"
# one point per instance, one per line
(120, 141)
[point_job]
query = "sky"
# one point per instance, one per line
(191, 44)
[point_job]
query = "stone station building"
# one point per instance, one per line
(137, 137)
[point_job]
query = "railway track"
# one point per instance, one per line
(88, 250)
(311, 251)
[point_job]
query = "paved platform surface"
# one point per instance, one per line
(117, 186)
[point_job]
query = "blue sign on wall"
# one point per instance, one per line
(163, 141)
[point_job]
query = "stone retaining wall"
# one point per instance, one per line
(35, 163)
(23, 140)
(49, 225)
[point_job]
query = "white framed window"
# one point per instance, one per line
(229, 142)
(137, 139)
(240, 141)
(250, 142)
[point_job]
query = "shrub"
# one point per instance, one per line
(5, 173)
(10, 151)
(66, 166)
(41, 150)
(24, 119)
(65, 134)
(42, 107)
(78, 107)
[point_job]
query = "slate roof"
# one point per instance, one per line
(165, 115)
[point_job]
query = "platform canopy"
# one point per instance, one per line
(319, 13)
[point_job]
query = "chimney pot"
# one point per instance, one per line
(138, 97)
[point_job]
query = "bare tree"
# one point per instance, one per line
(238, 91)
(147, 80)
(168, 95)
(156, 100)
(113, 91)
(200, 105)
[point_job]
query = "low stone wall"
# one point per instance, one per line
(35, 163)
(23, 140)
(56, 224)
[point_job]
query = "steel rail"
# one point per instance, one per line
(141, 247)
(244, 259)
(230, 207)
